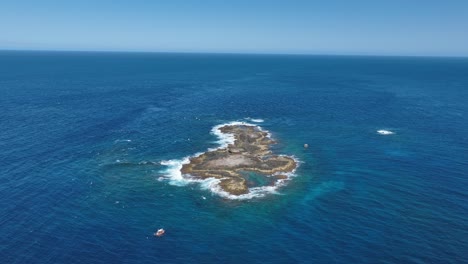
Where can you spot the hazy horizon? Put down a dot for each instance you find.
(419, 28)
(233, 53)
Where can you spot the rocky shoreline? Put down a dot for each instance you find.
(250, 152)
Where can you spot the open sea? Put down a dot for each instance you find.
(90, 144)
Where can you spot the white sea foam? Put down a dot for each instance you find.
(123, 140)
(212, 185)
(256, 120)
(174, 175)
(385, 132)
(224, 139)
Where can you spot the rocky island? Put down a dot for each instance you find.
(247, 156)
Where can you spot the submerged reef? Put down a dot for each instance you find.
(248, 154)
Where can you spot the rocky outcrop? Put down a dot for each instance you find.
(250, 152)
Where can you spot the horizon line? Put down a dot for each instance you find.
(236, 53)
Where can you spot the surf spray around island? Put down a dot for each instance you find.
(173, 171)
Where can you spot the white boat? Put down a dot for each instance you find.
(160, 232)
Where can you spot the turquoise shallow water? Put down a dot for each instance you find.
(83, 135)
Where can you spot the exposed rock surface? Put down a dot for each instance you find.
(250, 152)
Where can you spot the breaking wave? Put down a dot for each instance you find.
(385, 132)
(256, 120)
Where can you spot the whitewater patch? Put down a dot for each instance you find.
(173, 173)
(212, 185)
(224, 139)
(385, 132)
(122, 140)
(256, 120)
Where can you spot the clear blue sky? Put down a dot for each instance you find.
(387, 27)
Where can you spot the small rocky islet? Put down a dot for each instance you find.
(250, 152)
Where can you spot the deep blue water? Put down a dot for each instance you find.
(82, 135)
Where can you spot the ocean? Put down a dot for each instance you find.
(90, 144)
